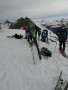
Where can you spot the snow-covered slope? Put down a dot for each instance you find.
(17, 71)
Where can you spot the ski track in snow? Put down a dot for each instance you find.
(17, 71)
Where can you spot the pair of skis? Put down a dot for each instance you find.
(61, 84)
(37, 46)
(39, 54)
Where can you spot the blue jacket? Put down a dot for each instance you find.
(62, 34)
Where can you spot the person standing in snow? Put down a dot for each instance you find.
(62, 35)
(32, 32)
(32, 36)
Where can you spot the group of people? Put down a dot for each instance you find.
(62, 36)
(31, 33)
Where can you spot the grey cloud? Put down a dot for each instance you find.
(31, 8)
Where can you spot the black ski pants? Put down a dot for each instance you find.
(62, 43)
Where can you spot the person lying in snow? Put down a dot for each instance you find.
(16, 36)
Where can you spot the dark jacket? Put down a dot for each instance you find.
(62, 34)
(31, 29)
(45, 33)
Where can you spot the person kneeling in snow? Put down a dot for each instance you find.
(44, 36)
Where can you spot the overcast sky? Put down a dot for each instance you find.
(14, 9)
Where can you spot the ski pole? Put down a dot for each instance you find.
(38, 40)
(33, 55)
(37, 46)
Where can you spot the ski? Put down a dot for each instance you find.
(64, 55)
(58, 82)
(38, 49)
(61, 84)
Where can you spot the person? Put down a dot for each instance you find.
(62, 35)
(26, 22)
(31, 32)
(26, 28)
(44, 36)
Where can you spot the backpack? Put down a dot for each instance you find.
(46, 52)
(18, 36)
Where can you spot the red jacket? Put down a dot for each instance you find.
(25, 27)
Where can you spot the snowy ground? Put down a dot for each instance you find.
(17, 71)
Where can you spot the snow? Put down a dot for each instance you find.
(17, 71)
